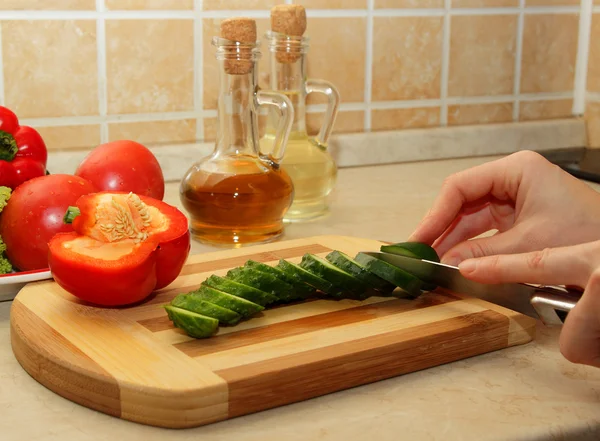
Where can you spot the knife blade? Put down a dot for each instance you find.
(540, 302)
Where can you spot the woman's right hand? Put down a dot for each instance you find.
(531, 202)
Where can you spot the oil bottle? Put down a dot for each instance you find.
(307, 159)
(239, 195)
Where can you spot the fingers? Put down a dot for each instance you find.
(551, 266)
(499, 243)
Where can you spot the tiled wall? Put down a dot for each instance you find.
(89, 71)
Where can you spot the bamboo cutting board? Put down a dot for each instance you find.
(133, 364)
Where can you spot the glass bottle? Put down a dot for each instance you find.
(307, 159)
(238, 195)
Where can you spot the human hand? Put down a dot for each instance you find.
(577, 265)
(531, 202)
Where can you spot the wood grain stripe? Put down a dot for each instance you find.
(51, 358)
(196, 348)
(297, 377)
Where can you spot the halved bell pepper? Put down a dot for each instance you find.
(123, 248)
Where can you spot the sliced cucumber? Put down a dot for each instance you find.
(347, 264)
(199, 306)
(337, 277)
(301, 288)
(263, 281)
(195, 325)
(301, 274)
(240, 290)
(412, 249)
(392, 274)
(242, 306)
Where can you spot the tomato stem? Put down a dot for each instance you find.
(71, 214)
(8, 146)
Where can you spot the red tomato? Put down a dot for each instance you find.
(123, 166)
(34, 214)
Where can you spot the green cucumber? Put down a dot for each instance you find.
(347, 264)
(337, 277)
(199, 306)
(302, 275)
(242, 306)
(392, 274)
(301, 288)
(195, 325)
(417, 250)
(240, 290)
(263, 281)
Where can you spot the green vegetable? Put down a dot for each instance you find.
(195, 325)
(345, 263)
(302, 275)
(194, 304)
(243, 307)
(417, 250)
(263, 281)
(5, 265)
(5, 194)
(392, 274)
(240, 290)
(341, 280)
(302, 289)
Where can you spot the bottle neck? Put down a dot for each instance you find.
(289, 78)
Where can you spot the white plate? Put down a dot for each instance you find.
(11, 284)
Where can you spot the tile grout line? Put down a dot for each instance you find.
(369, 66)
(446, 31)
(583, 49)
(518, 62)
(102, 77)
(2, 97)
(198, 69)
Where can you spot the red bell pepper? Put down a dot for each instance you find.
(23, 153)
(123, 248)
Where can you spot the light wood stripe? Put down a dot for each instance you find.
(321, 322)
(300, 376)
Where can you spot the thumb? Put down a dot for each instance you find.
(551, 266)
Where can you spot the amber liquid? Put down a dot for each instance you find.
(235, 201)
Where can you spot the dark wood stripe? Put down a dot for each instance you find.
(218, 343)
(59, 365)
(167, 295)
(271, 383)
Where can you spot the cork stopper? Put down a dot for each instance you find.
(289, 20)
(241, 30)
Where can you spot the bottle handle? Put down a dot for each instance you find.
(285, 121)
(333, 102)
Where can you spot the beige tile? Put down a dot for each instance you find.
(409, 4)
(551, 2)
(50, 67)
(393, 119)
(345, 122)
(239, 4)
(484, 3)
(210, 127)
(549, 52)
(149, 4)
(594, 57)
(210, 29)
(482, 55)
(154, 132)
(407, 58)
(592, 117)
(70, 137)
(333, 4)
(463, 114)
(337, 54)
(536, 110)
(149, 65)
(48, 4)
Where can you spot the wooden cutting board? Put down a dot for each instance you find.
(133, 364)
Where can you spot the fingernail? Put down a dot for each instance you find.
(468, 266)
(451, 260)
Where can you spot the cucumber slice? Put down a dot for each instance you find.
(195, 325)
(199, 306)
(412, 249)
(302, 275)
(242, 306)
(240, 290)
(263, 281)
(326, 270)
(392, 274)
(301, 288)
(347, 264)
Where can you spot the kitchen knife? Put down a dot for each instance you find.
(550, 304)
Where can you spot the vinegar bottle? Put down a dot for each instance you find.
(307, 160)
(238, 195)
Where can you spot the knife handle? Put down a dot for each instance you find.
(553, 303)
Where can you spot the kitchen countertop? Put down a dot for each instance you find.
(528, 392)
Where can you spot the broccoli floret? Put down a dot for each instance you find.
(2, 245)
(5, 194)
(5, 266)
